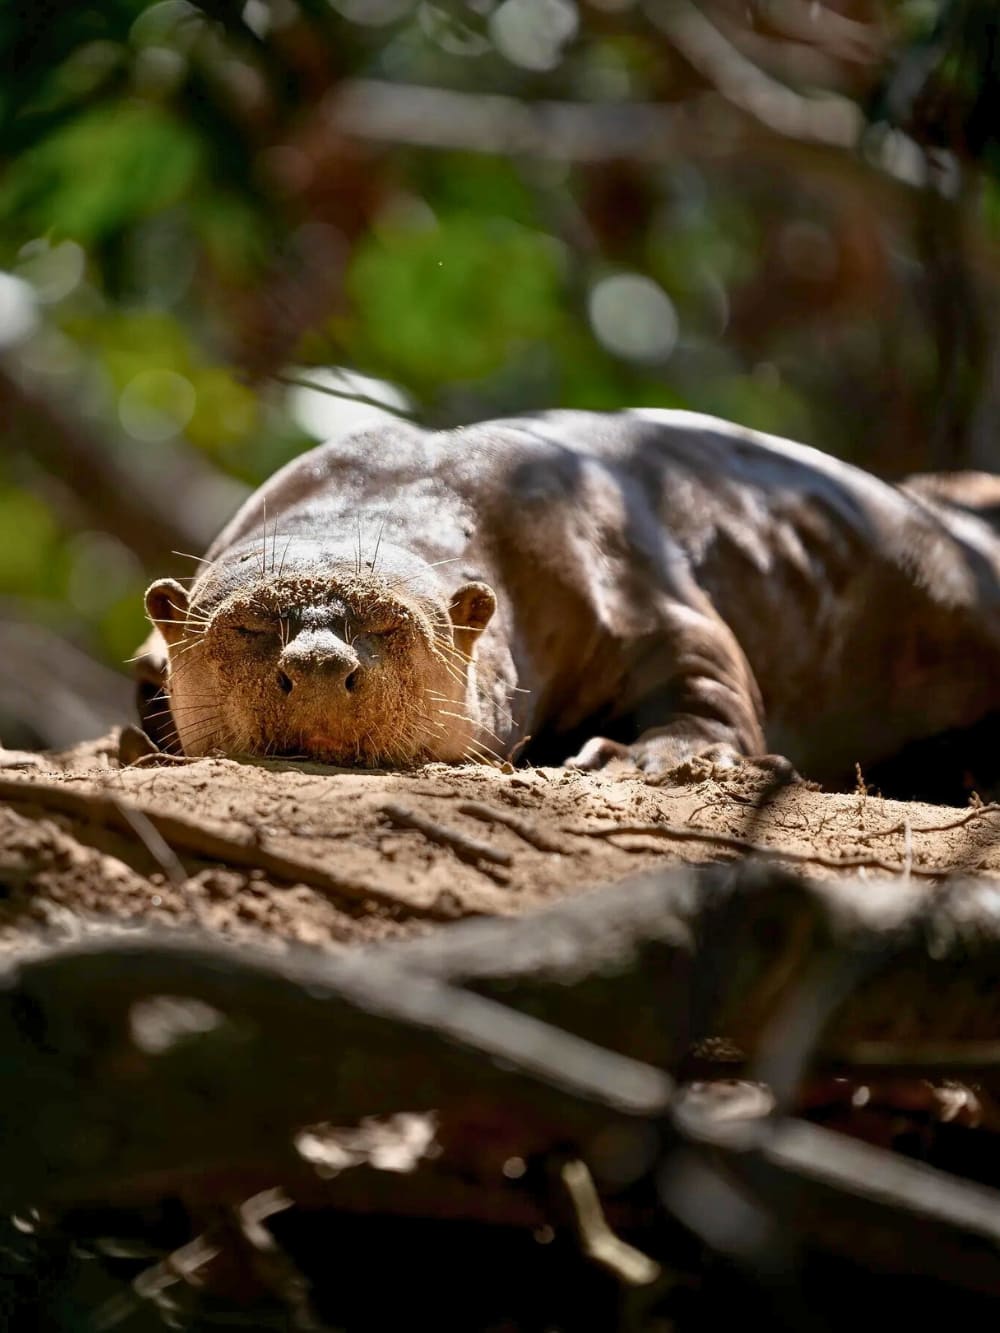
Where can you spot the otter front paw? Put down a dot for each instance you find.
(598, 752)
(721, 761)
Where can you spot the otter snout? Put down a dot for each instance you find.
(318, 656)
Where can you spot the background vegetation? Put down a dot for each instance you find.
(783, 211)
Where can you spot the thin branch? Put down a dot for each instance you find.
(522, 827)
(467, 849)
(826, 118)
(844, 1195)
(977, 812)
(815, 23)
(348, 394)
(445, 118)
(681, 833)
(154, 842)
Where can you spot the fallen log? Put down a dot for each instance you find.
(138, 1066)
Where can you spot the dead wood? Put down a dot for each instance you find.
(749, 1188)
(150, 1065)
(101, 1108)
(879, 976)
(105, 1095)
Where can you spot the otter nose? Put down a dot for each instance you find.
(318, 656)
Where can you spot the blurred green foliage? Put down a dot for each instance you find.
(451, 301)
(180, 223)
(58, 188)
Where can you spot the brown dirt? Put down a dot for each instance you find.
(344, 864)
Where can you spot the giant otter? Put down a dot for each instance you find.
(641, 585)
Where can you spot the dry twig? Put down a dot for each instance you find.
(467, 849)
(684, 834)
(527, 831)
(991, 809)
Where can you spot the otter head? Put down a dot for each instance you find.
(322, 660)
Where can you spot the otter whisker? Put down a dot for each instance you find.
(190, 641)
(489, 759)
(168, 711)
(480, 726)
(274, 546)
(195, 707)
(189, 744)
(281, 567)
(457, 675)
(204, 725)
(400, 585)
(378, 542)
(263, 549)
(202, 560)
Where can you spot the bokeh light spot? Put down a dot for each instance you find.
(156, 405)
(18, 310)
(53, 270)
(532, 33)
(633, 317)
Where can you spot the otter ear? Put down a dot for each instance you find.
(167, 606)
(472, 607)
